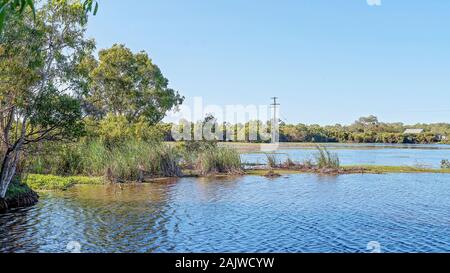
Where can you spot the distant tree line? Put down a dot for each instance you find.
(364, 130)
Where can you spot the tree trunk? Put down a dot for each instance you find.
(8, 171)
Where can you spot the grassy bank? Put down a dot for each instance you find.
(17, 189)
(121, 162)
(351, 170)
(59, 167)
(402, 169)
(51, 182)
(95, 163)
(39, 182)
(18, 195)
(256, 147)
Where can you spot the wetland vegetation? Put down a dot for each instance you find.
(72, 115)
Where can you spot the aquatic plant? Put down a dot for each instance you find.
(219, 160)
(51, 182)
(130, 161)
(445, 164)
(289, 163)
(326, 160)
(271, 161)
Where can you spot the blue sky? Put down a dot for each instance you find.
(329, 61)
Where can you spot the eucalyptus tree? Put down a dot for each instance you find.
(40, 80)
(123, 83)
(17, 7)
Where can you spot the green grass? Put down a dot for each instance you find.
(326, 159)
(40, 182)
(16, 189)
(271, 161)
(367, 169)
(127, 161)
(445, 164)
(219, 160)
(399, 169)
(58, 183)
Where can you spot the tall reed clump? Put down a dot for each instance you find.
(327, 160)
(219, 160)
(134, 160)
(131, 160)
(445, 164)
(271, 161)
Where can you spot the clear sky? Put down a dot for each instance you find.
(329, 61)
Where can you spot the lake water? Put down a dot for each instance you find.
(429, 156)
(296, 213)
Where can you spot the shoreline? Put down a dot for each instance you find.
(346, 170)
(39, 182)
(26, 194)
(259, 147)
(19, 196)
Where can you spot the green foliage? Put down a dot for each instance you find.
(365, 130)
(219, 160)
(445, 164)
(289, 163)
(13, 7)
(326, 160)
(129, 161)
(129, 85)
(17, 189)
(17, 7)
(114, 130)
(271, 161)
(37, 67)
(39, 94)
(51, 182)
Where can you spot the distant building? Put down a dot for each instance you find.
(413, 131)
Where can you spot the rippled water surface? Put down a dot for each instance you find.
(429, 156)
(297, 213)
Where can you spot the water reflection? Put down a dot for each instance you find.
(296, 213)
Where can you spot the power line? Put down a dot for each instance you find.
(274, 105)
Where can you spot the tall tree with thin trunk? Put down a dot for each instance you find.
(40, 80)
